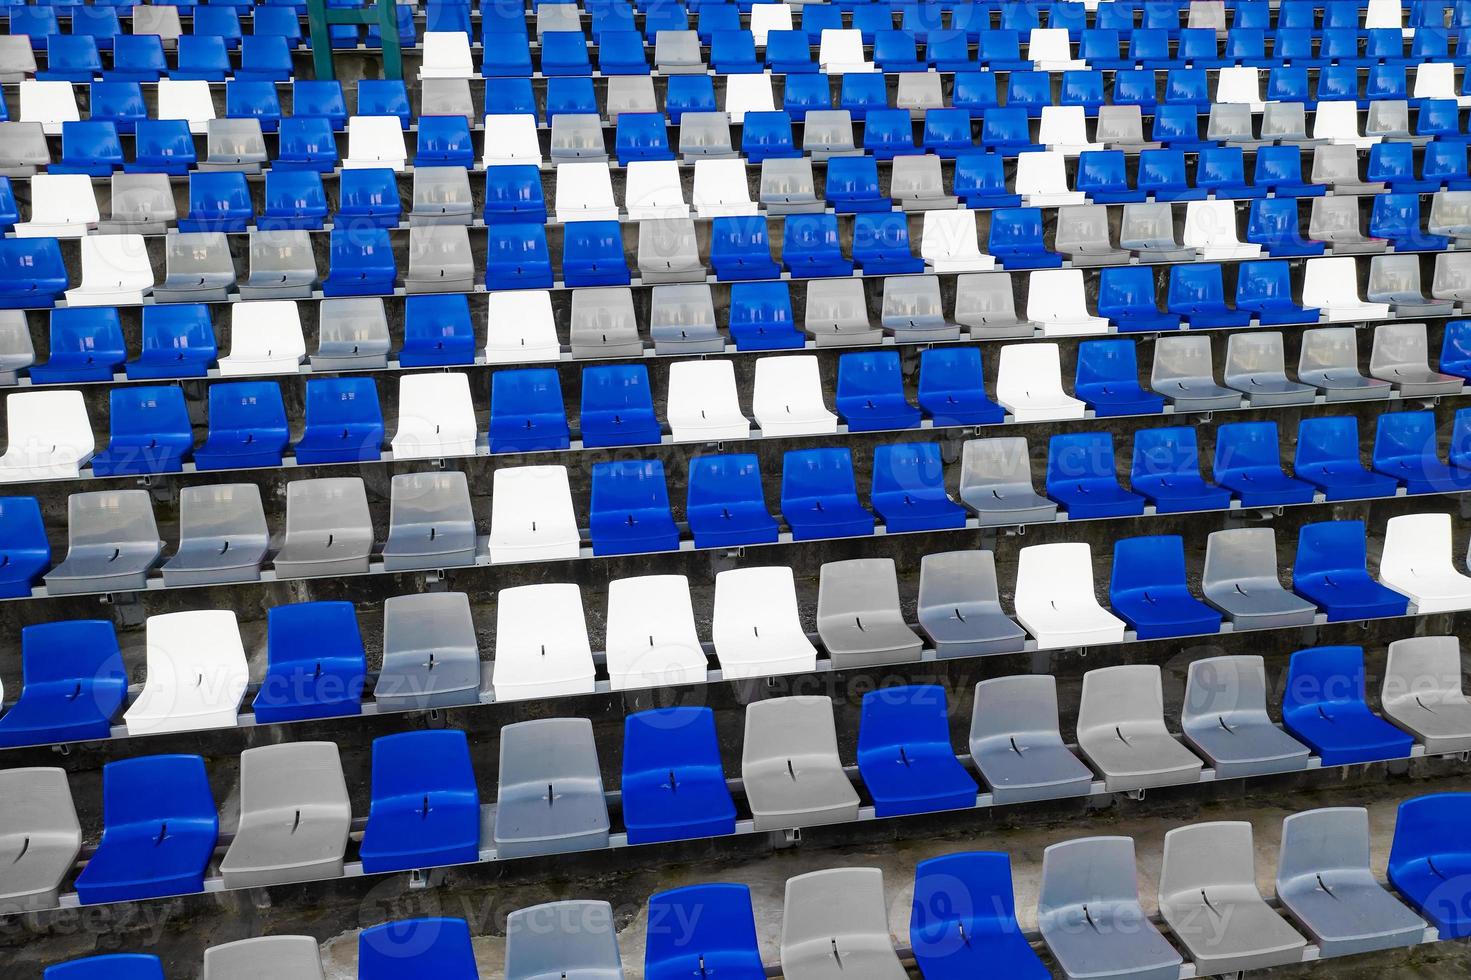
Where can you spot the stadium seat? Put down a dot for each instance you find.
(283, 266)
(651, 638)
(1082, 479)
(440, 946)
(1184, 373)
(837, 915)
(1323, 705)
(1121, 730)
(425, 807)
(112, 542)
(1149, 589)
(328, 529)
(1241, 580)
(1421, 692)
(294, 813)
(544, 760)
(62, 206)
(151, 432)
(787, 397)
(48, 436)
(702, 403)
(674, 787)
(73, 685)
(1107, 379)
(1405, 447)
(908, 725)
(247, 426)
(819, 495)
(92, 148)
(1126, 297)
(858, 617)
(1331, 571)
(790, 767)
(1224, 718)
(1055, 599)
(429, 522)
(541, 643)
(430, 655)
(630, 509)
(533, 517)
(85, 345)
(1417, 562)
(1248, 462)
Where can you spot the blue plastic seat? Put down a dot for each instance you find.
(178, 342)
(963, 920)
(1118, 18)
(761, 317)
(1444, 165)
(1293, 46)
(25, 552)
(202, 58)
(1264, 290)
(1327, 456)
(1126, 296)
(811, 246)
(444, 141)
(1455, 349)
(437, 331)
(218, 201)
(731, 53)
(384, 97)
(629, 513)
(1138, 88)
(617, 406)
(73, 684)
(293, 199)
(86, 344)
(120, 103)
(1440, 119)
(1279, 170)
(1149, 48)
(1396, 217)
(881, 244)
(816, 18)
(1029, 90)
(514, 193)
(1016, 240)
(1247, 47)
(254, 100)
(1249, 462)
(1331, 571)
(888, 133)
(39, 22)
(1101, 175)
(267, 19)
(425, 807)
(592, 254)
(719, 938)
(71, 58)
(1162, 176)
(159, 829)
(448, 16)
(1221, 170)
(315, 664)
(362, 262)
(947, 133)
(861, 93)
(163, 146)
(508, 57)
(659, 17)
(739, 248)
(980, 182)
(216, 21)
(1323, 706)
(608, 16)
(150, 432)
(511, 97)
(322, 98)
(1428, 859)
(1006, 131)
(1198, 48)
(565, 53)
(909, 489)
(788, 52)
(1107, 378)
(1405, 448)
(819, 495)
(1081, 477)
(1177, 126)
(1197, 293)
(688, 93)
(264, 57)
(137, 58)
(949, 51)
(570, 94)
(517, 257)
(1001, 50)
(9, 210)
(622, 53)
(975, 92)
(870, 392)
(1430, 43)
(247, 426)
(673, 782)
(526, 412)
(1339, 49)
(344, 422)
(31, 273)
(712, 17)
(726, 506)
(1166, 470)
(904, 753)
(1274, 224)
(895, 51)
(1100, 48)
(868, 19)
(642, 136)
(1150, 592)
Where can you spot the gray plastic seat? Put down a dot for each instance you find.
(142, 204)
(1336, 221)
(1016, 741)
(1450, 215)
(1336, 166)
(294, 816)
(1401, 356)
(112, 542)
(440, 260)
(1452, 277)
(705, 136)
(682, 320)
(17, 60)
(828, 133)
(678, 53)
(835, 927)
(17, 352)
(1148, 230)
(282, 266)
(669, 251)
(234, 144)
(1121, 127)
(23, 149)
(446, 97)
(1184, 373)
(1422, 693)
(630, 93)
(550, 797)
(916, 182)
(960, 606)
(1122, 733)
(329, 530)
(198, 268)
(1241, 581)
(1209, 14)
(352, 333)
(1089, 913)
(918, 91)
(1390, 119)
(1231, 123)
(837, 314)
(430, 522)
(572, 940)
(1208, 895)
(558, 17)
(604, 323)
(277, 957)
(790, 767)
(1256, 366)
(160, 20)
(1225, 718)
(40, 838)
(1082, 235)
(787, 186)
(858, 615)
(577, 136)
(442, 194)
(1329, 360)
(986, 307)
(1325, 882)
(996, 483)
(1286, 123)
(222, 536)
(430, 656)
(913, 312)
(1395, 279)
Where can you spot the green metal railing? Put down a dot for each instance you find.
(384, 13)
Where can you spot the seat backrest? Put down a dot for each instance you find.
(1126, 695)
(1224, 690)
(438, 947)
(1202, 857)
(858, 588)
(1320, 845)
(111, 519)
(1021, 707)
(823, 906)
(752, 601)
(998, 461)
(277, 781)
(781, 729)
(558, 751)
(1247, 554)
(1098, 872)
(296, 957)
(1421, 669)
(559, 939)
(721, 924)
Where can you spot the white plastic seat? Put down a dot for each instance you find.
(47, 436)
(186, 99)
(1049, 49)
(1055, 600)
(447, 55)
(841, 51)
(585, 192)
(1418, 561)
(51, 104)
(1422, 693)
(1240, 85)
(1338, 122)
(721, 189)
(1437, 80)
(767, 17)
(531, 515)
(265, 338)
(62, 206)
(1386, 13)
(1332, 285)
(1121, 730)
(511, 140)
(541, 647)
(787, 400)
(949, 242)
(1210, 226)
(702, 402)
(115, 272)
(748, 93)
(1041, 178)
(1056, 300)
(435, 417)
(196, 673)
(520, 326)
(650, 633)
(756, 628)
(1064, 130)
(1029, 384)
(375, 142)
(653, 189)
